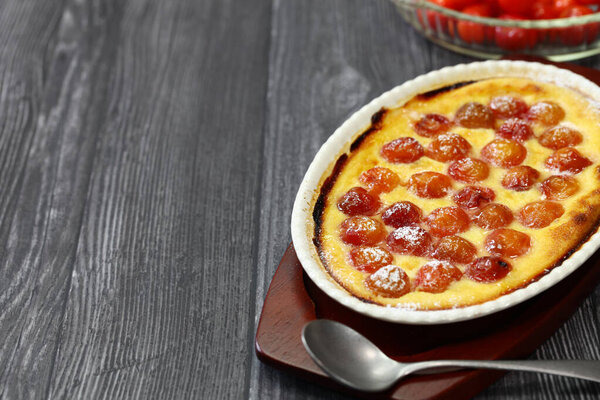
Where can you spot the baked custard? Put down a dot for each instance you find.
(462, 195)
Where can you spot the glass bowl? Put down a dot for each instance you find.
(561, 39)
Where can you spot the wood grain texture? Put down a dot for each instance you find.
(128, 152)
(158, 306)
(327, 59)
(150, 152)
(46, 82)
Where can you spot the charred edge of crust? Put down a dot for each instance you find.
(375, 126)
(319, 207)
(321, 200)
(432, 93)
(594, 228)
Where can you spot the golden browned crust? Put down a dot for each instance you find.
(578, 224)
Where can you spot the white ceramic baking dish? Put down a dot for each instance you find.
(302, 225)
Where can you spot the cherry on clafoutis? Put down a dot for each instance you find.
(560, 136)
(431, 125)
(504, 153)
(507, 242)
(361, 230)
(388, 281)
(455, 249)
(474, 115)
(448, 147)
(446, 221)
(520, 178)
(436, 276)
(430, 185)
(493, 216)
(403, 150)
(471, 197)
(488, 269)
(539, 214)
(370, 258)
(559, 187)
(469, 170)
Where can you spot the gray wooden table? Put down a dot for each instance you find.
(149, 155)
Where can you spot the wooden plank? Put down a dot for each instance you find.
(159, 301)
(328, 59)
(133, 199)
(326, 62)
(48, 71)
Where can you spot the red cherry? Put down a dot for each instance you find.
(432, 125)
(513, 38)
(388, 281)
(357, 201)
(473, 196)
(564, 5)
(434, 20)
(472, 32)
(436, 276)
(543, 9)
(520, 178)
(487, 269)
(446, 221)
(507, 243)
(540, 214)
(518, 7)
(430, 185)
(360, 230)
(411, 240)
(403, 150)
(455, 249)
(402, 213)
(370, 259)
(577, 35)
(459, 4)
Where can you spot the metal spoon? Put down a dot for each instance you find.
(354, 361)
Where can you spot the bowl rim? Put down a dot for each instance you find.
(526, 23)
(302, 225)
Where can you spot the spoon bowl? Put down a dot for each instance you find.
(348, 356)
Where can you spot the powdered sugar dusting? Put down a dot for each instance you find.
(373, 253)
(390, 278)
(432, 270)
(439, 264)
(410, 233)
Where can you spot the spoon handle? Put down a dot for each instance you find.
(582, 369)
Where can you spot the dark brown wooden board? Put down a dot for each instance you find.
(293, 300)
